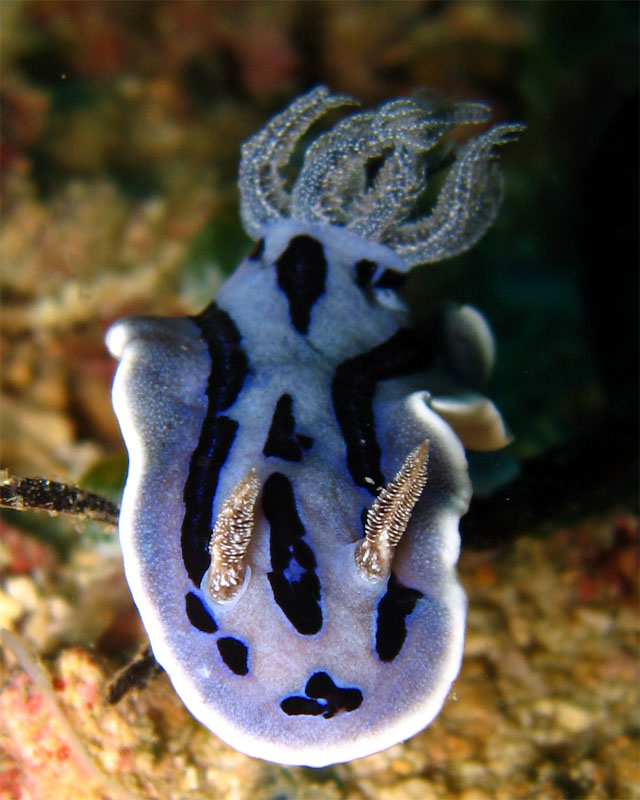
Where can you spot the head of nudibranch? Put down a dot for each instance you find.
(297, 472)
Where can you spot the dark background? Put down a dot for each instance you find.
(122, 126)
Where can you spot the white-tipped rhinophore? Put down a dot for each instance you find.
(388, 517)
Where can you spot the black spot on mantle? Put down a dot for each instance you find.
(199, 616)
(229, 367)
(294, 582)
(282, 441)
(323, 698)
(365, 270)
(397, 604)
(390, 278)
(302, 273)
(234, 653)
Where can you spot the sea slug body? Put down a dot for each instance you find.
(297, 471)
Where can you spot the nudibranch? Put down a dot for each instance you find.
(297, 470)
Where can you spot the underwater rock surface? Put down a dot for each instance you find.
(545, 705)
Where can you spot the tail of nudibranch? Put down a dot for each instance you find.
(335, 185)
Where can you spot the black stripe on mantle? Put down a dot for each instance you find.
(293, 577)
(282, 440)
(229, 368)
(302, 273)
(352, 389)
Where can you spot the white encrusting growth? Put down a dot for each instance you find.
(388, 517)
(368, 172)
(230, 538)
